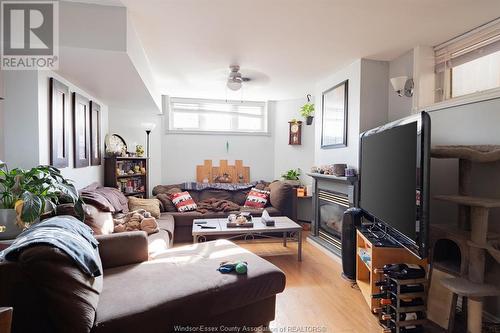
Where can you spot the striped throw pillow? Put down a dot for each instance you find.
(183, 202)
(257, 198)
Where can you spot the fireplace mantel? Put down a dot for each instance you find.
(349, 180)
(328, 188)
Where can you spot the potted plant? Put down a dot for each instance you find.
(292, 177)
(307, 110)
(26, 195)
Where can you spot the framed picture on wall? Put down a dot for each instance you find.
(81, 131)
(59, 123)
(95, 133)
(334, 117)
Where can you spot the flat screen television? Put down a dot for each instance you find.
(394, 180)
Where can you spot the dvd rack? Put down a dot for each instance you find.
(397, 309)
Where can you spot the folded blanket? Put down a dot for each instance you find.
(114, 196)
(65, 233)
(216, 205)
(192, 186)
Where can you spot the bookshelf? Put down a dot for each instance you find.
(128, 174)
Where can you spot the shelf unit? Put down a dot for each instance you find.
(113, 179)
(379, 256)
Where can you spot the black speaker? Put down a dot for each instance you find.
(350, 220)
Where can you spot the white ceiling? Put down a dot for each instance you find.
(290, 44)
(108, 75)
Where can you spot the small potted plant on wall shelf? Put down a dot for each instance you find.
(292, 177)
(307, 110)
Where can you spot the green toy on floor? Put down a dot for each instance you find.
(240, 267)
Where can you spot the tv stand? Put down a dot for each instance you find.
(378, 236)
(379, 251)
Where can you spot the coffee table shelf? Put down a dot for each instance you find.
(218, 227)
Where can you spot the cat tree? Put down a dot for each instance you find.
(473, 215)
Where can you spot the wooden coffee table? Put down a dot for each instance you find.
(283, 225)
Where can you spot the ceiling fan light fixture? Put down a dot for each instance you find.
(234, 84)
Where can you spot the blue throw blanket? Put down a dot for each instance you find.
(193, 186)
(67, 234)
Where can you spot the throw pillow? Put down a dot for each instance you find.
(257, 198)
(183, 201)
(149, 205)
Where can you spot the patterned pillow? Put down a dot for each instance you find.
(257, 198)
(183, 201)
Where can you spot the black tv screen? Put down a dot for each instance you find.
(394, 178)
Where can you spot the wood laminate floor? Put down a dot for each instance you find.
(316, 297)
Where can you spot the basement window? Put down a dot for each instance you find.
(468, 64)
(206, 116)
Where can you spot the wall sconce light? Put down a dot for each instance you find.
(403, 86)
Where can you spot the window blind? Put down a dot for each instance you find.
(475, 44)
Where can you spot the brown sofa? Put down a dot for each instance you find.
(103, 202)
(178, 287)
(281, 203)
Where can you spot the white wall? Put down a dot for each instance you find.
(348, 154)
(21, 119)
(2, 129)
(399, 107)
(367, 107)
(81, 176)
(373, 97)
(288, 156)
(26, 116)
(182, 153)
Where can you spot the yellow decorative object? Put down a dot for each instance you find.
(19, 210)
(139, 150)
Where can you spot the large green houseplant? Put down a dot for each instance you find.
(26, 195)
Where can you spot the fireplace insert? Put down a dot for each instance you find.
(331, 208)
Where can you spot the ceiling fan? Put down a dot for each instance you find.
(235, 79)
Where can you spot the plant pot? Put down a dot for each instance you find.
(8, 219)
(309, 120)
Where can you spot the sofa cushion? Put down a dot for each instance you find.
(149, 205)
(183, 201)
(257, 198)
(113, 195)
(167, 204)
(166, 222)
(100, 222)
(216, 194)
(239, 197)
(188, 289)
(281, 196)
(97, 200)
(258, 211)
(68, 297)
(166, 188)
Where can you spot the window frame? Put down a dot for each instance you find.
(265, 117)
(462, 45)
